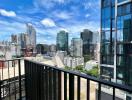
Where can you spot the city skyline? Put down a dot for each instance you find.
(72, 16)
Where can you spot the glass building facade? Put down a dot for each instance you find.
(62, 41)
(87, 38)
(116, 41)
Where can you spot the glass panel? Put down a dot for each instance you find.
(120, 73)
(118, 22)
(106, 37)
(113, 24)
(120, 49)
(106, 49)
(127, 21)
(105, 3)
(121, 61)
(124, 35)
(125, 9)
(119, 36)
(108, 59)
(107, 24)
(107, 12)
(119, 12)
(106, 71)
(113, 36)
(113, 12)
(121, 1)
(113, 2)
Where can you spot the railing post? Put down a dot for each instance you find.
(19, 71)
(113, 93)
(78, 88)
(54, 84)
(65, 86)
(88, 89)
(99, 91)
(59, 85)
(71, 86)
(0, 88)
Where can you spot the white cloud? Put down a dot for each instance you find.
(87, 5)
(60, 1)
(63, 15)
(93, 5)
(77, 27)
(87, 15)
(14, 27)
(8, 28)
(47, 22)
(64, 29)
(47, 3)
(4, 12)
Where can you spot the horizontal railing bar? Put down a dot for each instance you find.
(6, 60)
(13, 78)
(11, 82)
(91, 78)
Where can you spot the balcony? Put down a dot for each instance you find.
(22, 79)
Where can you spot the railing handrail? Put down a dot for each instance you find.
(3, 60)
(88, 77)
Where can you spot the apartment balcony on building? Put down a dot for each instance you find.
(23, 79)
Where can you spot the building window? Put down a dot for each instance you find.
(113, 2)
(107, 72)
(105, 3)
(107, 59)
(121, 61)
(123, 10)
(106, 37)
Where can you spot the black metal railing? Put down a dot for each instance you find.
(37, 81)
(52, 83)
(12, 81)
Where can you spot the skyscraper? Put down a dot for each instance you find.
(14, 38)
(62, 41)
(31, 32)
(22, 40)
(86, 37)
(21, 45)
(116, 41)
(76, 47)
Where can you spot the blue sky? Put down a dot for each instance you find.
(48, 17)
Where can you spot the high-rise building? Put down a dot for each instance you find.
(22, 40)
(31, 32)
(86, 37)
(62, 41)
(90, 44)
(96, 46)
(76, 47)
(14, 38)
(116, 41)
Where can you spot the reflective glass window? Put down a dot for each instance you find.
(105, 3)
(106, 37)
(113, 12)
(107, 71)
(121, 61)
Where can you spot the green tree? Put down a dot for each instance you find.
(68, 68)
(79, 68)
(93, 72)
